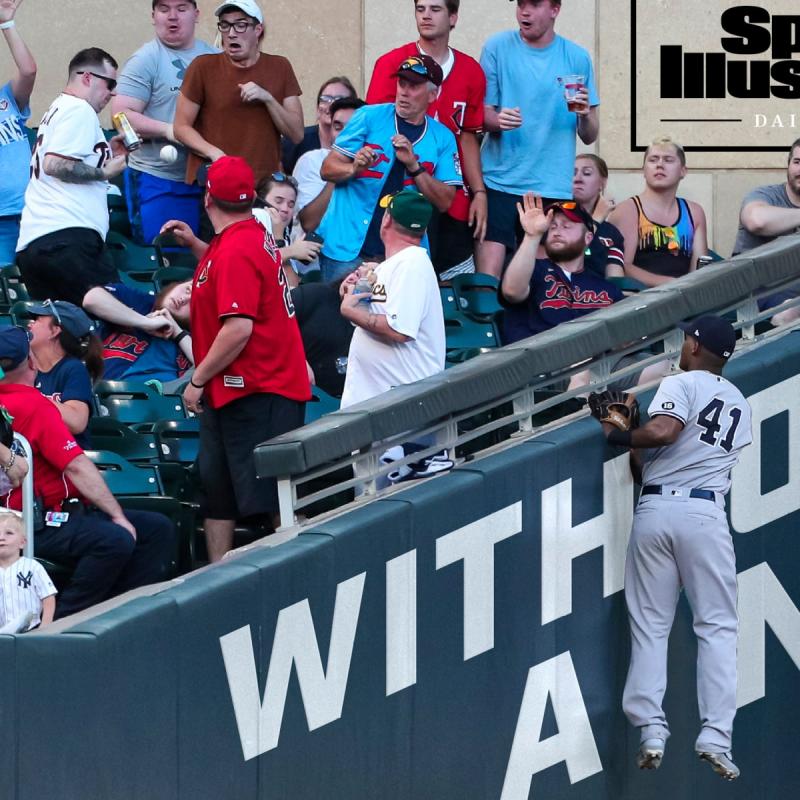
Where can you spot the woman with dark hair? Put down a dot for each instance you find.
(69, 358)
(319, 135)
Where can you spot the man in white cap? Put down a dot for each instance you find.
(240, 101)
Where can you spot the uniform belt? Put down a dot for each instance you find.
(697, 494)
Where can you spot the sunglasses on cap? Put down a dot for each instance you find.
(414, 64)
(110, 82)
(53, 311)
(281, 177)
(387, 200)
(567, 205)
(332, 98)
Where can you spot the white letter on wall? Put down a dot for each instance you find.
(401, 622)
(295, 643)
(574, 743)
(763, 601)
(562, 543)
(474, 545)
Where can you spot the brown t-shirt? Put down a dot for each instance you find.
(239, 129)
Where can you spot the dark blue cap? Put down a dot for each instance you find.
(714, 334)
(14, 345)
(66, 315)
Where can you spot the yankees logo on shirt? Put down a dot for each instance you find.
(23, 586)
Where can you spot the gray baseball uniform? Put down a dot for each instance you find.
(683, 540)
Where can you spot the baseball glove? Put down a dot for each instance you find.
(617, 408)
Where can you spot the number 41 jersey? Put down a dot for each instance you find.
(716, 426)
(69, 129)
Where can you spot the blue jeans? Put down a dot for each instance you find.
(9, 233)
(333, 270)
(153, 201)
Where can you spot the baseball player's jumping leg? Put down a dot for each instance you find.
(652, 586)
(704, 551)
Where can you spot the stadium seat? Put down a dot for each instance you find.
(449, 304)
(129, 256)
(177, 440)
(118, 220)
(124, 478)
(164, 276)
(321, 403)
(476, 295)
(627, 284)
(170, 254)
(108, 433)
(131, 402)
(463, 333)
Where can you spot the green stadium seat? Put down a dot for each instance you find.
(164, 276)
(118, 220)
(131, 402)
(124, 478)
(476, 295)
(108, 433)
(321, 403)
(449, 303)
(170, 254)
(178, 440)
(464, 333)
(129, 256)
(627, 284)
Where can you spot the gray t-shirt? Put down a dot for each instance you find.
(717, 425)
(154, 74)
(773, 195)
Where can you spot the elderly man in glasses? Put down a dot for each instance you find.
(386, 148)
(148, 93)
(240, 101)
(61, 250)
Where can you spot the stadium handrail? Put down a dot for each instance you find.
(435, 406)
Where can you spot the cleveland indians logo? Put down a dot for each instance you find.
(203, 276)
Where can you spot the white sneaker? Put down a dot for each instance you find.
(651, 751)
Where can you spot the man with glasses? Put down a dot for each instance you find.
(319, 135)
(148, 93)
(384, 149)
(61, 250)
(239, 102)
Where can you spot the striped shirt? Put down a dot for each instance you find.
(23, 586)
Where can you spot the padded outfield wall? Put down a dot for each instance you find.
(463, 639)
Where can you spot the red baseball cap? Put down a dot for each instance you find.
(231, 180)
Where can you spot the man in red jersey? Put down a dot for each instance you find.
(459, 106)
(250, 382)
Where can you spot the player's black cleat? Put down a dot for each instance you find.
(651, 751)
(722, 764)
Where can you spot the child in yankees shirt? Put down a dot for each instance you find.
(27, 595)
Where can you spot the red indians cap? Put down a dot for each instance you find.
(231, 180)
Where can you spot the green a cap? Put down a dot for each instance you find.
(409, 209)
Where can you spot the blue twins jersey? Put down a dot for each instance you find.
(134, 355)
(554, 298)
(345, 224)
(15, 153)
(68, 380)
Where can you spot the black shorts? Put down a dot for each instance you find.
(228, 436)
(502, 223)
(65, 264)
(451, 242)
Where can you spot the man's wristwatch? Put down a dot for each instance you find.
(418, 171)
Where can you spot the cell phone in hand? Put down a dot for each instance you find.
(314, 237)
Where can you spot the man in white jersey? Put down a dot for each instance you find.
(399, 336)
(61, 250)
(699, 423)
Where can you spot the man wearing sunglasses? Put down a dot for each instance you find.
(148, 93)
(385, 149)
(541, 293)
(239, 102)
(61, 250)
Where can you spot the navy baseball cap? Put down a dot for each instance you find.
(714, 333)
(67, 316)
(14, 345)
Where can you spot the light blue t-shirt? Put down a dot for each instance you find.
(15, 153)
(539, 155)
(345, 224)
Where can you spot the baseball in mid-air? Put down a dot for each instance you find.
(169, 153)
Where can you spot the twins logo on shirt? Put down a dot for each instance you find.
(559, 295)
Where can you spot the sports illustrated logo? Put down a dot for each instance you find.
(722, 81)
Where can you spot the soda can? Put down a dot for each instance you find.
(130, 138)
